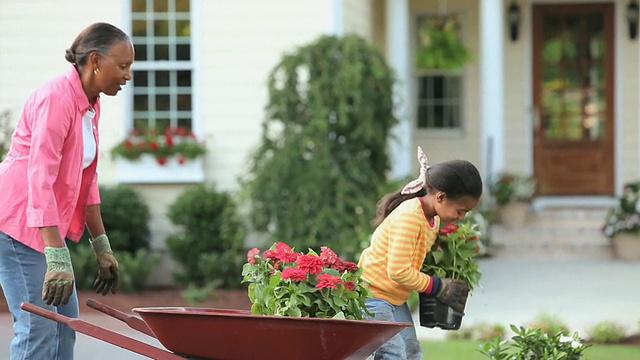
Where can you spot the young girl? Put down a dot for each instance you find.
(407, 226)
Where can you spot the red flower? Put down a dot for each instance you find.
(128, 144)
(153, 145)
(294, 273)
(181, 159)
(252, 255)
(161, 160)
(449, 229)
(168, 140)
(350, 285)
(285, 253)
(349, 266)
(310, 263)
(270, 254)
(181, 131)
(327, 281)
(328, 256)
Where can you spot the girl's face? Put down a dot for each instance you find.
(451, 210)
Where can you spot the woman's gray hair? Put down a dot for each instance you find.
(98, 37)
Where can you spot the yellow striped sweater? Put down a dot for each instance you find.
(391, 264)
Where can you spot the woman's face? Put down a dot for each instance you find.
(451, 210)
(115, 68)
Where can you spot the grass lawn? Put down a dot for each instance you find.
(468, 350)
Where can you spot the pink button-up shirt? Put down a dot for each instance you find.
(42, 181)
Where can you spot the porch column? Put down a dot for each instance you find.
(336, 26)
(491, 86)
(397, 32)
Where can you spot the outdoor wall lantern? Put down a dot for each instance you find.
(513, 17)
(632, 18)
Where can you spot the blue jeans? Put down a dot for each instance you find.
(22, 272)
(405, 344)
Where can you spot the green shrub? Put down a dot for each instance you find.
(135, 268)
(85, 267)
(195, 295)
(481, 331)
(210, 245)
(606, 332)
(126, 219)
(550, 324)
(314, 179)
(534, 344)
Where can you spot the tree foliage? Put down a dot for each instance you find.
(323, 156)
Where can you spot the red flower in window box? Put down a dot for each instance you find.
(178, 142)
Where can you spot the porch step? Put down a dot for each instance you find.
(558, 232)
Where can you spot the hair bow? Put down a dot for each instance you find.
(417, 184)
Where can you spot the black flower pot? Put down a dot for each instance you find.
(434, 313)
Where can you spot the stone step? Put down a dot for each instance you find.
(556, 251)
(563, 232)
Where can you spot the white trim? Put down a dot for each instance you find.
(336, 18)
(146, 170)
(544, 202)
(127, 91)
(197, 120)
(618, 32)
(527, 38)
(492, 87)
(398, 50)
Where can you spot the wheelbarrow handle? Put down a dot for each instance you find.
(134, 322)
(103, 334)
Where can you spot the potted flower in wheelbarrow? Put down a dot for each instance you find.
(289, 283)
(453, 255)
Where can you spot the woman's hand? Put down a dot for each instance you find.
(58, 280)
(108, 272)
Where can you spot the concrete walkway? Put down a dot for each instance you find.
(580, 292)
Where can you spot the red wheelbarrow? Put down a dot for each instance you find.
(227, 334)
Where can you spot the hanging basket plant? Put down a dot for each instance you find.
(440, 45)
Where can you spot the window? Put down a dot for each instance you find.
(440, 57)
(163, 71)
(439, 101)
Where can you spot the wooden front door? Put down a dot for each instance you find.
(573, 98)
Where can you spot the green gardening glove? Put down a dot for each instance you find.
(108, 277)
(453, 293)
(58, 280)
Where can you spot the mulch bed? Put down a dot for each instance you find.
(222, 299)
(631, 340)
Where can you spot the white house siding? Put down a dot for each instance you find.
(239, 45)
(518, 115)
(33, 37)
(464, 144)
(358, 18)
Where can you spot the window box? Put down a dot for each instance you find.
(147, 170)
